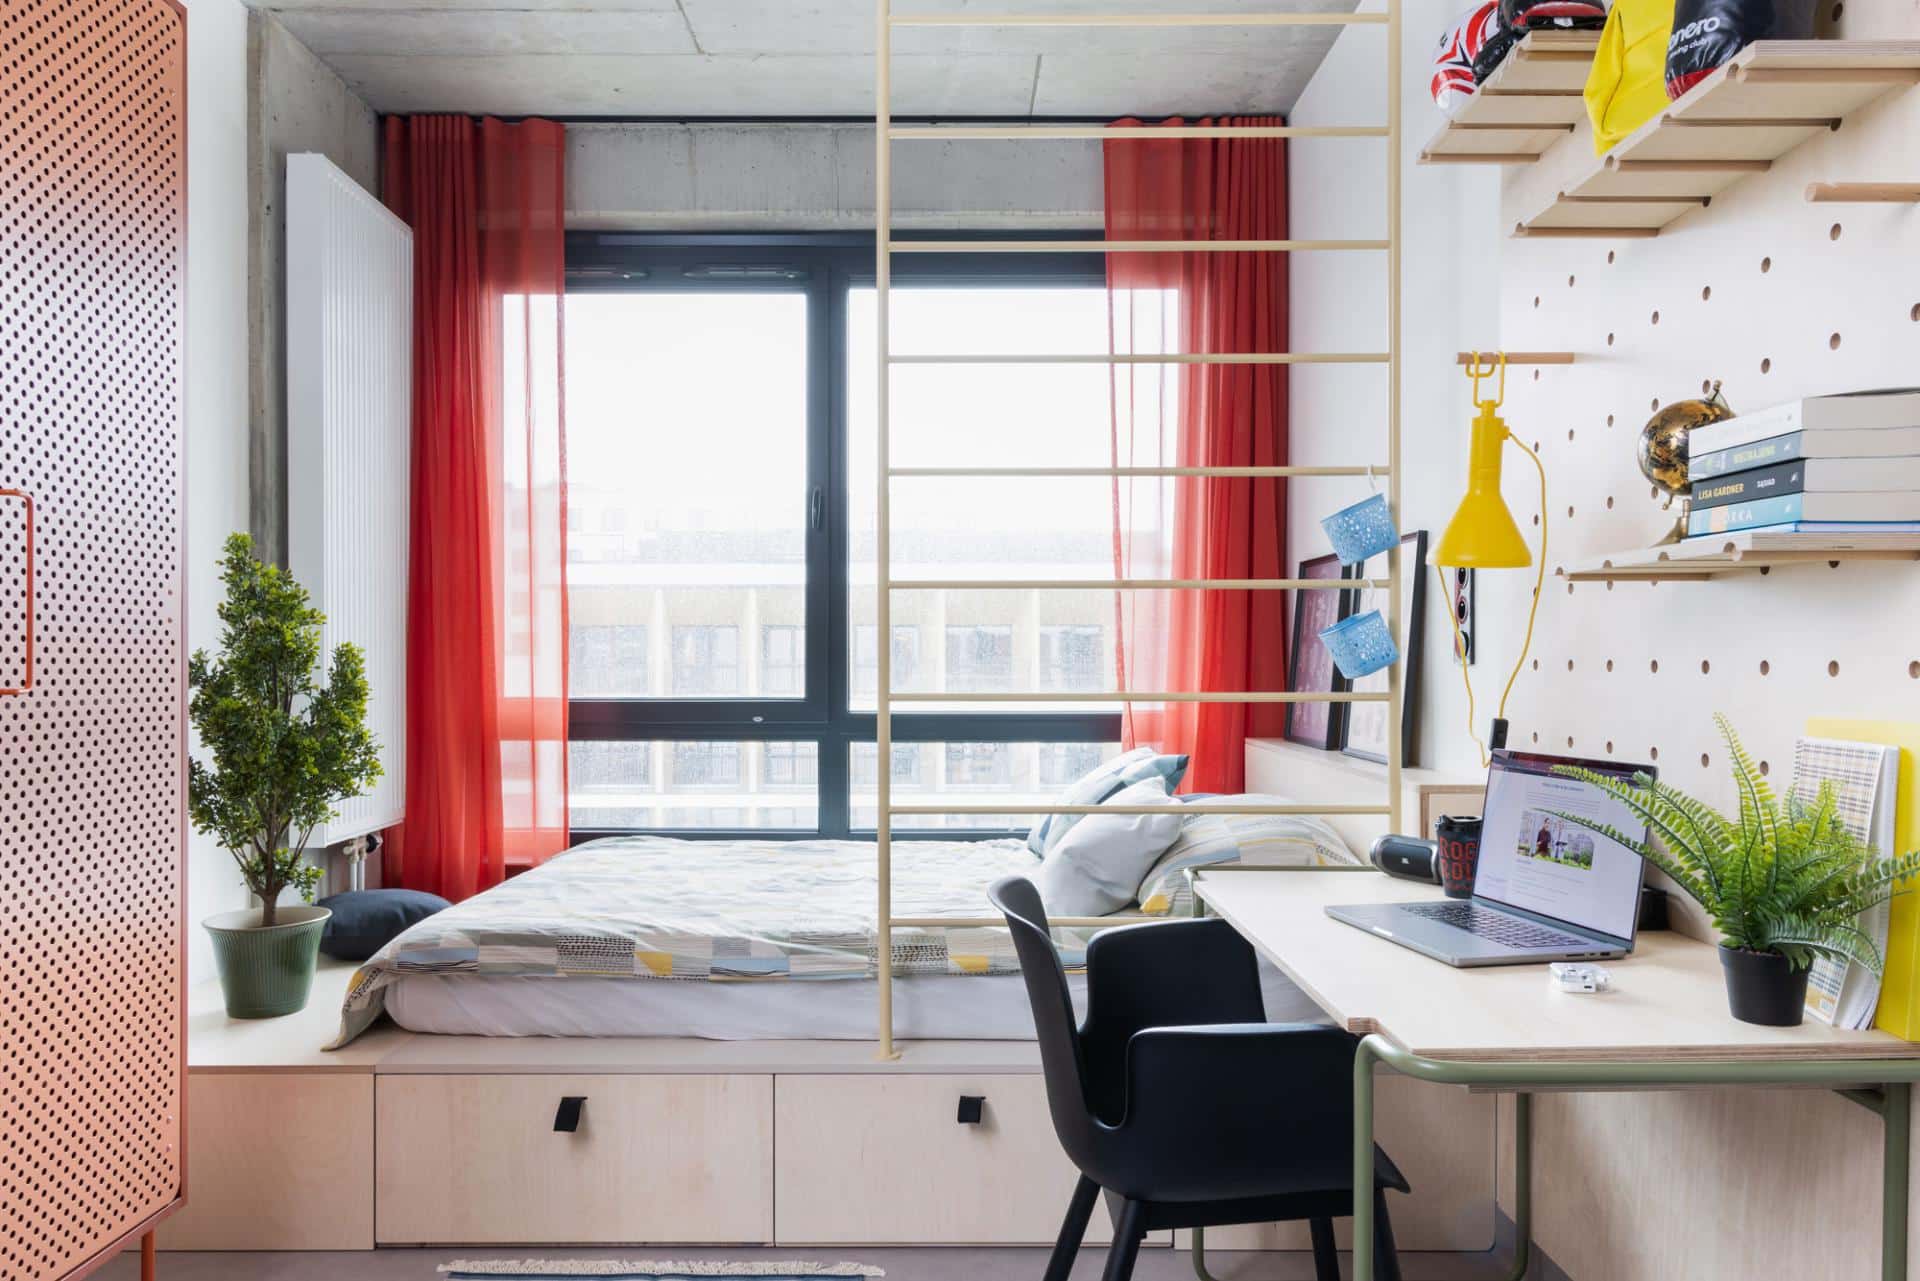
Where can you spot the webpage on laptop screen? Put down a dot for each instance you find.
(1533, 858)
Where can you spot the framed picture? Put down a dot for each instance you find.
(1366, 723)
(1310, 668)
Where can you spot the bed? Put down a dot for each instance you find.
(733, 940)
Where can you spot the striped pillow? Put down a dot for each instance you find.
(1102, 782)
(1271, 840)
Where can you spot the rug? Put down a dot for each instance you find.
(651, 1270)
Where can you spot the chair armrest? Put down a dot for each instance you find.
(1242, 1109)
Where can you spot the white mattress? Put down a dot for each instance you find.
(926, 1007)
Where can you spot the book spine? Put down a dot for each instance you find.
(1744, 429)
(1739, 458)
(1751, 486)
(1766, 511)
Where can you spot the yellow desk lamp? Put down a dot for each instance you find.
(1484, 535)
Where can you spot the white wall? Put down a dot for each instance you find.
(216, 380)
(1450, 293)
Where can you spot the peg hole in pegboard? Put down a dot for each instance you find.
(1653, 753)
(1839, 8)
(1569, 740)
(1610, 664)
(1765, 667)
(1913, 670)
(1609, 340)
(1609, 502)
(1765, 570)
(1916, 308)
(1569, 282)
(1654, 666)
(1833, 232)
(1766, 265)
(1609, 747)
(1536, 664)
(1569, 511)
(1833, 667)
(1706, 386)
(1833, 342)
(1706, 292)
(1656, 316)
(1536, 736)
(1569, 664)
(1706, 665)
(1609, 257)
(1705, 760)
(1765, 768)
(1569, 435)
(1654, 405)
(1914, 314)
(1536, 375)
(1766, 364)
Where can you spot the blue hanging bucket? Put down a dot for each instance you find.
(1360, 645)
(1362, 530)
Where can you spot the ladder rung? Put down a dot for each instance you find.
(1133, 584)
(997, 922)
(1126, 246)
(1151, 696)
(1014, 807)
(1161, 20)
(1005, 473)
(1163, 358)
(1066, 133)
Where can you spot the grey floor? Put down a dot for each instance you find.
(950, 1264)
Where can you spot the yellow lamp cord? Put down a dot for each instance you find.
(1533, 611)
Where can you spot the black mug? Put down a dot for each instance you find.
(1459, 841)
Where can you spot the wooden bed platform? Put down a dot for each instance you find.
(404, 1139)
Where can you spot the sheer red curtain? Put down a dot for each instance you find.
(487, 607)
(1213, 415)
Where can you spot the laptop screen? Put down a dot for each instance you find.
(1534, 859)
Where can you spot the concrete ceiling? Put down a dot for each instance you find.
(796, 58)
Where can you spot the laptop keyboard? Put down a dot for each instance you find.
(1495, 926)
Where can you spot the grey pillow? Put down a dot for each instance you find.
(1094, 868)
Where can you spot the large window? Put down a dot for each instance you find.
(722, 433)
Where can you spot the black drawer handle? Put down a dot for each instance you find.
(972, 1107)
(567, 1119)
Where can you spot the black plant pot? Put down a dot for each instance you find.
(1763, 987)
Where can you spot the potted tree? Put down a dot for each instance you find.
(284, 750)
(1785, 882)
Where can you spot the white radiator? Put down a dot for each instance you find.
(349, 413)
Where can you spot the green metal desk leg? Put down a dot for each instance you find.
(1522, 1185)
(1895, 1140)
(1363, 1060)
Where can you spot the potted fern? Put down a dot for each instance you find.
(1784, 881)
(285, 748)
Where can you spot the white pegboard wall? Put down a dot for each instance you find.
(1776, 298)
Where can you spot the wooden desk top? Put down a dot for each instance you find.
(1668, 1001)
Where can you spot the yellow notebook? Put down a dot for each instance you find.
(1900, 985)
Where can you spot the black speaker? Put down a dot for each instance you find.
(1407, 856)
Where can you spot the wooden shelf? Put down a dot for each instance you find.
(1715, 555)
(1530, 102)
(1773, 96)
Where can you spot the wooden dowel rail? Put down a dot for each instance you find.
(1156, 358)
(1162, 21)
(1137, 696)
(1135, 584)
(1517, 357)
(1023, 473)
(1129, 246)
(1863, 193)
(1110, 133)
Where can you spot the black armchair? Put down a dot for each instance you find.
(1179, 1101)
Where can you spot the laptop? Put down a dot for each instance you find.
(1546, 888)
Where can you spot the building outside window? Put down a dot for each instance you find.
(979, 764)
(783, 660)
(1070, 657)
(706, 764)
(607, 660)
(866, 661)
(706, 659)
(1062, 763)
(791, 765)
(979, 658)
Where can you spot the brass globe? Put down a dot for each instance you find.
(1663, 445)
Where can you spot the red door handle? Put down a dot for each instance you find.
(26, 682)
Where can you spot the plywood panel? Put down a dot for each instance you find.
(476, 1159)
(280, 1162)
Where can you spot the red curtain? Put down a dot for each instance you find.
(1214, 415)
(487, 630)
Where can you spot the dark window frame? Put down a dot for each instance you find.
(825, 267)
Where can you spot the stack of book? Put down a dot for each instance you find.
(1843, 464)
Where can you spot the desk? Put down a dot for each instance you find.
(1665, 1025)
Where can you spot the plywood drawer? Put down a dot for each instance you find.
(476, 1159)
(280, 1161)
(881, 1159)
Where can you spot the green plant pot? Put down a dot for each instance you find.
(1763, 987)
(267, 971)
